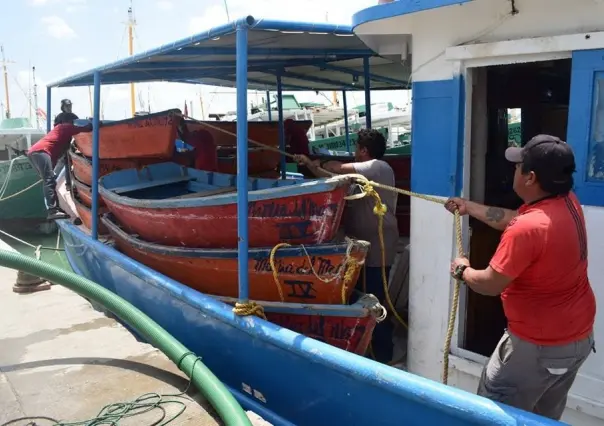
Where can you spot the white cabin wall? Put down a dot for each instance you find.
(432, 234)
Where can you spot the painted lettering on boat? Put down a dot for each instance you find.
(338, 331)
(17, 167)
(301, 289)
(323, 266)
(296, 208)
(162, 120)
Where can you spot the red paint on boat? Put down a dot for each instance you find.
(259, 160)
(219, 276)
(349, 333)
(82, 166)
(299, 219)
(84, 193)
(144, 136)
(85, 214)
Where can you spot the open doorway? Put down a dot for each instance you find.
(510, 104)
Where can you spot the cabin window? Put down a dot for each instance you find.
(595, 160)
(510, 105)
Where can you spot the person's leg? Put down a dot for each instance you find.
(507, 376)
(43, 164)
(382, 335)
(562, 364)
(532, 377)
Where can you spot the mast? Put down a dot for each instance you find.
(29, 94)
(33, 75)
(7, 106)
(131, 25)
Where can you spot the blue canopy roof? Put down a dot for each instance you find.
(307, 56)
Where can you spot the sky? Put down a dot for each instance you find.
(63, 37)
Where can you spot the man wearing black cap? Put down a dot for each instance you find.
(540, 271)
(66, 115)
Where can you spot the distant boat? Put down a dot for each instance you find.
(21, 199)
(178, 206)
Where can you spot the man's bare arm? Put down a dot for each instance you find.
(495, 217)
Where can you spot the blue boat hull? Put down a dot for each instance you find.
(284, 377)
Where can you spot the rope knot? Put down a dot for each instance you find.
(249, 308)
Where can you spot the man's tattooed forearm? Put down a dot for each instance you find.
(495, 214)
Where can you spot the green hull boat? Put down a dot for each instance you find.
(21, 198)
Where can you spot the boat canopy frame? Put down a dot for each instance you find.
(249, 54)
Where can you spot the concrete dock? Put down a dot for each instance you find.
(63, 360)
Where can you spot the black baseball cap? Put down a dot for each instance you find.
(549, 157)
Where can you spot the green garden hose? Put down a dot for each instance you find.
(204, 380)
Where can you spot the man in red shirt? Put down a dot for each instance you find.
(540, 271)
(44, 155)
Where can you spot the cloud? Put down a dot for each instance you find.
(57, 27)
(165, 5)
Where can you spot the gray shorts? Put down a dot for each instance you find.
(532, 377)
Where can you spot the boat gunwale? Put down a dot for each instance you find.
(255, 253)
(105, 124)
(306, 187)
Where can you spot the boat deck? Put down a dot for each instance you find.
(61, 359)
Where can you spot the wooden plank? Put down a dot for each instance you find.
(206, 193)
(150, 184)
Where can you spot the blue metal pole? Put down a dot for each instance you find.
(367, 93)
(242, 154)
(48, 109)
(281, 126)
(96, 115)
(268, 105)
(346, 129)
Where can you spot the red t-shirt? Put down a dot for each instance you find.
(298, 141)
(206, 157)
(544, 251)
(56, 142)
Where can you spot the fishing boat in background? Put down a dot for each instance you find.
(318, 274)
(178, 206)
(260, 160)
(151, 135)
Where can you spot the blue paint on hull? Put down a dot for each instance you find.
(398, 8)
(303, 381)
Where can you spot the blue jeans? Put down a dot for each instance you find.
(382, 335)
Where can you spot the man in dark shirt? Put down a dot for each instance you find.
(65, 116)
(44, 155)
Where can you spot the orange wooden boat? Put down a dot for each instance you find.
(259, 160)
(84, 193)
(152, 135)
(301, 271)
(82, 166)
(85, 214)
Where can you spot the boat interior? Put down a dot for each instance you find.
(540, 90)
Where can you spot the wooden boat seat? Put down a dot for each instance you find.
(150, 184)
(206, 193)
